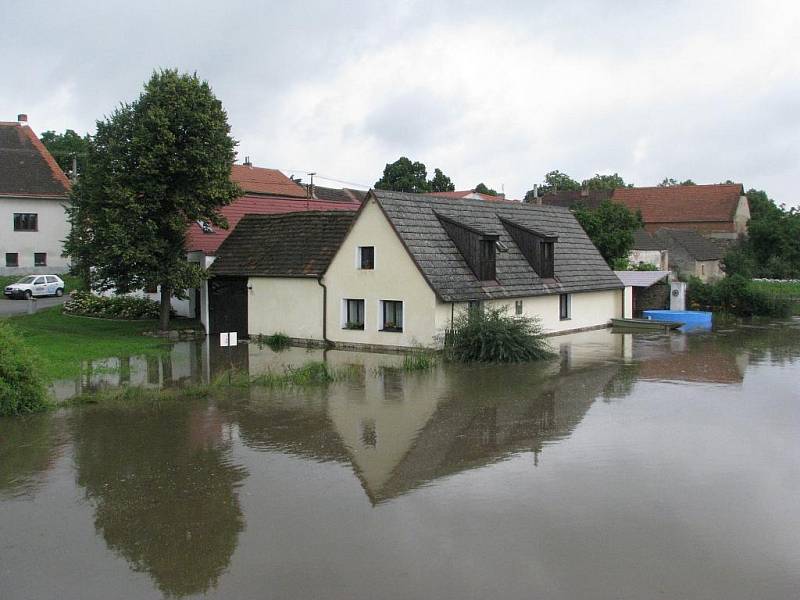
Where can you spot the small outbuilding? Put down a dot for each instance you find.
(692, 254)
(650, 289)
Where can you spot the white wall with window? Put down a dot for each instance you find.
(393, 290)
(32, 232)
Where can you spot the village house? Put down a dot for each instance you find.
(649, 250)
(266, 191)
(717, 211)
(33, 195)
(691, 253)
(398, 272)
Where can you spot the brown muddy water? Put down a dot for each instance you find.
(644, 466)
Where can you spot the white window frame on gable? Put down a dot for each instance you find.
(344, 315)
(382, 315)
(358, 258)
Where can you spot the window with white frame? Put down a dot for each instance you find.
(366, 257)
(353, 313)
(565, 307)
(518, 308)
(391, 315)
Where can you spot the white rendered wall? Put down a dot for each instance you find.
(292, 306)
(395, 277)
(53, 230)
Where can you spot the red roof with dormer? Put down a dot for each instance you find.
(266, 192)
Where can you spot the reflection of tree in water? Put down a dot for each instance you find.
(29, 446)
(163, 487)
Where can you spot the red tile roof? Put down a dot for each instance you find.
(257, 180)
(471, 193)
(26, 167)
(683, 203)
(196, 239)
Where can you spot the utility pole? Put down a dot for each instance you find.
(310, 188)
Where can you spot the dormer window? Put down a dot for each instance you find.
(366, 257)
(478, 247)
(538, 248)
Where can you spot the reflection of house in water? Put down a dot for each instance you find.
(400, 431)
(683, 358)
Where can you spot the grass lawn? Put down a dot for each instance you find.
(783, 289)
(63, 342)
(70, 281)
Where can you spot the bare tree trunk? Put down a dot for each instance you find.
(166, 297)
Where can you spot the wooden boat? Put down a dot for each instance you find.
(645, 324)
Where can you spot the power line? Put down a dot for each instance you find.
(327, 178)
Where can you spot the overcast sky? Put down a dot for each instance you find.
(500, 92)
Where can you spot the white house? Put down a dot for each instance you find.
(407, 264)
(33, 195)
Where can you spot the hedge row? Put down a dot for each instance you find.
(111, 307)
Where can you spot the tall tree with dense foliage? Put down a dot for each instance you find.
(610, 227)
(65, 147)
(481, 188)
(772, 246)
(154, 166)
(440, 182)
(670, 182)
(403, 175)
(606, 183)
(555, 181)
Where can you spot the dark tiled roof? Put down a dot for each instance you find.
(644, 241)
(569, 198)
(26, 167)
(683, 203)
(283, 245)
(578, 265)
(695, 244)
(339, 195)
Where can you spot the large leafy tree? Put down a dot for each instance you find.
(440, 182)
(481, 188)
(772, 246)
(154, 166)
(65, 147)
(403, 175)
(606, 183)
(610, 227)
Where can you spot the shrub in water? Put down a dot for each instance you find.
(738, 296)
(111, 307)
(22, 390)
(276, 341)
(493, 336)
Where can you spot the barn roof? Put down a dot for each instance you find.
(283, 245)
(683, 203)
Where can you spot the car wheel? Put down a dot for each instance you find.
(28, 294)
(59, 293)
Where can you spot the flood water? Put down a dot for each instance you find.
(630, 466)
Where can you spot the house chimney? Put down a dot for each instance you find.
(247, 162)
(22, 119)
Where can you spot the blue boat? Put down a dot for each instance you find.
(691, 319)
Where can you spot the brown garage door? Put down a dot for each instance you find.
(227, 305)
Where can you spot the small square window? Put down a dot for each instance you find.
(12, 259)
(366, 257)
(392, 315)
(40, 259)
(353, 314)
(565, 306)
(518, 308)
(26, 222)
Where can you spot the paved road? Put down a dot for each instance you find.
(20, 307)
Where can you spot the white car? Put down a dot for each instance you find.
(36, 285)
